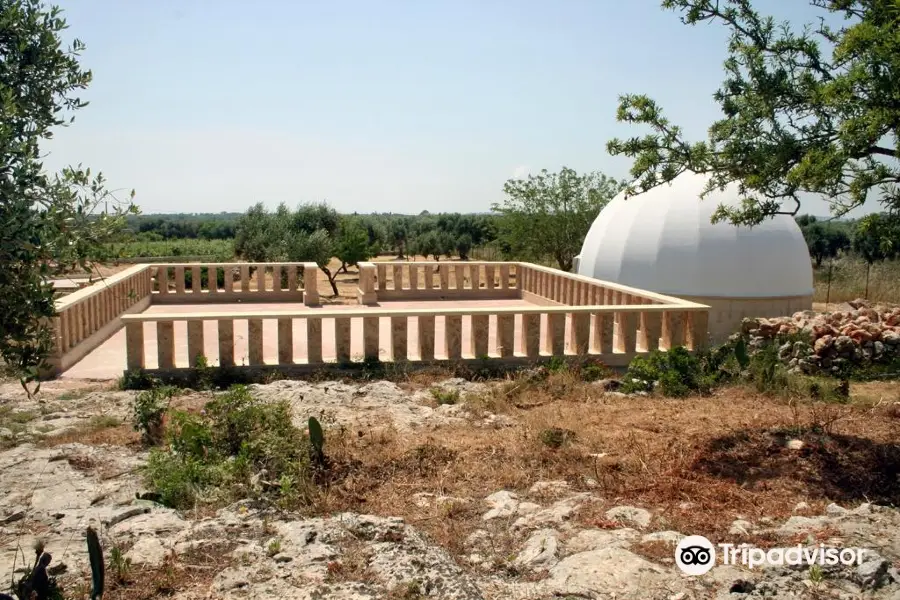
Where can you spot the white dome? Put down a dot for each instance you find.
(663, 241)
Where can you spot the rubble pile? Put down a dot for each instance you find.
(859, 333)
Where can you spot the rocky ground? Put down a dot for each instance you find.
(69, 462)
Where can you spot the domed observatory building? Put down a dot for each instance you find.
(663, 241)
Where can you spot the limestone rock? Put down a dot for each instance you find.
(630, 515)
(540, 550)
(610, 572)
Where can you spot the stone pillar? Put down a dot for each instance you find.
(310, 284)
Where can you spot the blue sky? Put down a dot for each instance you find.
(388, 105)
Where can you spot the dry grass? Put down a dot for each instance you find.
(699, 463)
(97, 432)
(190, 572)
(848, 281)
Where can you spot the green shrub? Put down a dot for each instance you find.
(676, 373)
(149, 408)
(444, 396)
(237, 443)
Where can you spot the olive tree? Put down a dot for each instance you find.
(549, 214)
(49, 223)
(805, 109)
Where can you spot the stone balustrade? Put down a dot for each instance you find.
(190, 283)
(611, 333)
(544, 285)
(569, 315)
(86, 318)
(434, 280)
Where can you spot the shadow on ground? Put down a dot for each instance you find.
(837, 467)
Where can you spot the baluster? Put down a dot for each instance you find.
(195, 342)
(696, 329)
(134, 344)
(626, 337)
(580, 333)
(504, 277)
(531, 334)
(414, 277)
(196, 279)
(489, 277)
(398, 278)
(399, 339)
(255, 341)
(179, 280)
(371, 338)
(480, 334)
(382, 277)
(226, 342)
(245, 278)
(453, 336)
(602, 333)
(651, 329)
(165, 344)
(342, 339)
(426, 337)
(313, 340)
(506, 332)
(556, 324)
(429, 277)
(459, 277)
(286, 340)
(672, 333)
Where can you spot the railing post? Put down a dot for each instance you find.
(603, 333)
(398, 278)
(531, 334)
(399, 339)
(626, 336)
(453, 336)
(310, 284)
(371, 338)
(651, 329)
(429, 277)
(342, 339)
(245, 278)
(504, 276)
(226, 342)
(445, 277)
(197, 279)
(313, 339)
(671, 330)
(134, 344)
(179, 280)
(506, 334)
(382, 277)
(459, 276)
(165, 344)
(366, 290)
(489, 277)
(255, 341)
(557, 329)
(286, 339)
(426, 338)
(195, 341)
(480, 332)
(414, 277)
(292, 277)
(580, 333)
(696, 330)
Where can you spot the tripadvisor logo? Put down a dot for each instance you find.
(696, 555)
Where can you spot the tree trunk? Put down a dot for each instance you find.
(331, 279)
(343, 268)
(828, 289)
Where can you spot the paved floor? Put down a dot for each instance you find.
(108, 360)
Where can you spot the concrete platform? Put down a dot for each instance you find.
(108, 360)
